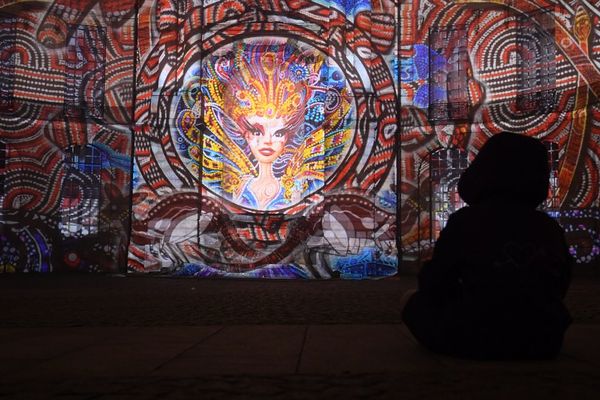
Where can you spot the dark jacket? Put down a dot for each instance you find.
(500, 268)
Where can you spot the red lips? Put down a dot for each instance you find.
(266, 151)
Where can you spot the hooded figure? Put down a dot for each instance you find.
(500, 269)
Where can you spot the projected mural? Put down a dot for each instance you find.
(280, 127)
(280, 138)
(278, 119)
(66, 80)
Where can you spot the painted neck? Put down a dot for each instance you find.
(265, 172)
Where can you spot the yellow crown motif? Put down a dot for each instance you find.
(266, 89)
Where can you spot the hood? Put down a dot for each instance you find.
(509, 167)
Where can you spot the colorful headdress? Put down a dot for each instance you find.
(264, 81)
(271, 80)
(265, 89)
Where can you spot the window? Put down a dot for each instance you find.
(2, 171)
(537, 64)
(8, 34)
(2, 156)
(448, 81)
(553, 201)
(84, 72)
(81, 191)
(445, 168)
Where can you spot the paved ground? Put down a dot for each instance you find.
(95, 337)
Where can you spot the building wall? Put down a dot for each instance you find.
(366, 112)
(531, 67)
(220, 81)
(66, 107)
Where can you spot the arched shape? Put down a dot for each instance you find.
(536, 90)
(85, 61)
(3, 156)
(81, 192)
(8, 35)
(444, 167)
(448, 63)
(553, 201)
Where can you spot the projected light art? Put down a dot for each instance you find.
(279, 138)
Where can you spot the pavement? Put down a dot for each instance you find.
(102, 337)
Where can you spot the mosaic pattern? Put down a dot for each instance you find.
(278, 138)
(280, 127)
(530, 69)
(71, 77)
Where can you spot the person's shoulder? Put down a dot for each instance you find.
(542, 215)
(476, 210)
(477, 213)
(544, 218)
(465, 213)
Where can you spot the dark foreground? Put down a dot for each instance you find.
(97, 337)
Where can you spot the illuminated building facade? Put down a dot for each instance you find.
(279, 138)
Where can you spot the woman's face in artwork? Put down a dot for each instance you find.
(266, 137)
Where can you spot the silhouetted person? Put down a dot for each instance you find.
(500, 269)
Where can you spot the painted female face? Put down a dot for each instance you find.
(266, 137)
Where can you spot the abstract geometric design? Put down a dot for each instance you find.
(50, 115)
(85, 62)
(320, 107)
(531, 71)
(278, 138)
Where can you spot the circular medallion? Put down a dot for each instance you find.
(264, 122)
